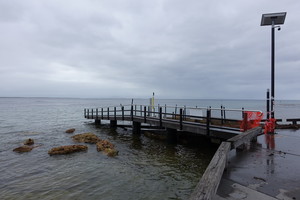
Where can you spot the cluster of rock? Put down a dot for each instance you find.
(102, 145)
(90, 138)
(107, 147)
(26, 147)
(67, 149)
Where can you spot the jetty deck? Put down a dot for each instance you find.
(211, 122)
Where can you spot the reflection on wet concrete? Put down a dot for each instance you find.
(271, 166)
(270, 143)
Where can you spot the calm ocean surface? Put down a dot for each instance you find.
(144, 169)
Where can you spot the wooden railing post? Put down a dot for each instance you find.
(115, 113)
(160, 116)
(84, 113)
(88, 113)
(96, 113)
(222, 119)
(245, 121)
(145, 113)
(123, 113)
(180, 118)
(107, 112)
(224, 113)
(165, 115)
(131, 113)
(208, 119)
(92, 114)
(101, 113)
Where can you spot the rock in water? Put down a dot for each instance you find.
(29, 142)
(67, 149)
(71, 130)
(86, 137)
(107, 147)
(111, 152)
(22, 149)
(104, 144)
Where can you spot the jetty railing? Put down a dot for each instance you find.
(204, 116)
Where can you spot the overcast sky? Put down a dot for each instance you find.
(131, 48)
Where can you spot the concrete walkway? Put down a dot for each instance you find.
(268, 169)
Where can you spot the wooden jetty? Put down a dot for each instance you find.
(210, 122)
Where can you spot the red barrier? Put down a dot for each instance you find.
(270, 126)
(251, 120)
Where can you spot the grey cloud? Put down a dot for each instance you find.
(178, 49)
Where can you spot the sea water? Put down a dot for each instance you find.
(144, 169)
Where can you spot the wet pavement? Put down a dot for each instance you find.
(268, 169)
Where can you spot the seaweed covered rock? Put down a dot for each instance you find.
(86, 137)
(107, 147)
(71, 130)
(29, 142)
(67, 149)
(22, 149)
(104, 144)
(111, 152)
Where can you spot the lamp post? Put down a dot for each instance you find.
(273, 20)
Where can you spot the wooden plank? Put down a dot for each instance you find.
(208, 184)
(245, 137)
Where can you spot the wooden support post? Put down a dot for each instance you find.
(96, 113)
(171, 135)
(165, 115)
(113, 123)
(84, 113)
(102, 113)
(134, 110)
(88, 113)
(97, 121)
(208, 119)
(224, 113)
(92, 114)
(145, 111)
(136, 129)
(115, 113)
(222, 120)
(243, 112)
(245, 122)
(180, 119)
(131, 113)
(108, 113)
(123, 113)
(160, 116)
(141, 110)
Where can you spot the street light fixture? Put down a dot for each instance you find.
(273, 19)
